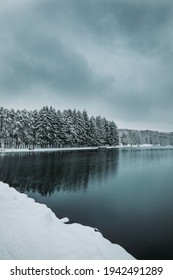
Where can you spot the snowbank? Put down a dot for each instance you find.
(29, 230)
(26, 150)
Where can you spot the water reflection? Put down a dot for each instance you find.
(67, 171)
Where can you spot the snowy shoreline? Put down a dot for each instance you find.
(30, 230)
(3, 151)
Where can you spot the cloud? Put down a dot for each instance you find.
(38, 56)
(113, 58)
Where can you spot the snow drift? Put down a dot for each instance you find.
(29, 230)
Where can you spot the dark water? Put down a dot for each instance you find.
(126, 194)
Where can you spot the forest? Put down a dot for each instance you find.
(145, 137)
(50, 128)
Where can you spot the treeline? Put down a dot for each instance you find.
(52, 128)
(141, 137)
(70, 128)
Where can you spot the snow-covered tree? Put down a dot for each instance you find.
(124, 139)
(50, 128)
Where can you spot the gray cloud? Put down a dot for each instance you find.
(113, 58)
(38, 57)
(139, 23)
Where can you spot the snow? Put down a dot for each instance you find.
(46, 149)
(29, 230)
(143, 146)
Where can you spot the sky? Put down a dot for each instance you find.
(113, 58)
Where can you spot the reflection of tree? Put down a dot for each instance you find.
(67, 171)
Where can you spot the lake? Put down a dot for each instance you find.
(127, 194)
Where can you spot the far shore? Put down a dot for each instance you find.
(100, 148)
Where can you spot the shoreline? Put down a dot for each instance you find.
(100, 148)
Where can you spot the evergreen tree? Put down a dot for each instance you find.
(113, 137)
(101, 131)
(124, 139)
(93, 132)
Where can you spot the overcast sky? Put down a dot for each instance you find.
(113, 58)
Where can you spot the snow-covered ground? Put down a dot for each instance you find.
(29, 230)
(144, 146)
(46, 149)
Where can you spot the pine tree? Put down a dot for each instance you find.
(113, 137)
(124, 140)
(93, 132)
(101, 131)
